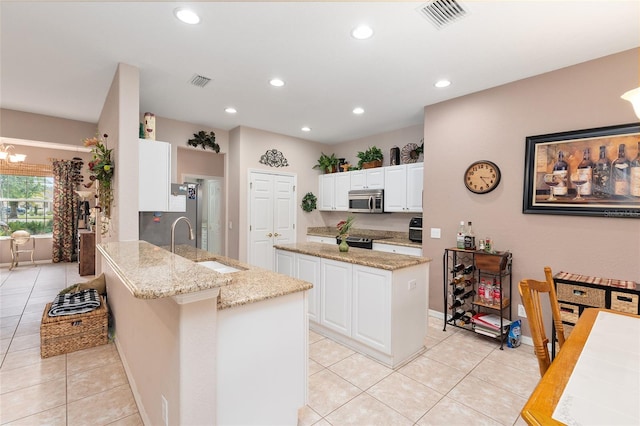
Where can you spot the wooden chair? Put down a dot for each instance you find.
(530, 292)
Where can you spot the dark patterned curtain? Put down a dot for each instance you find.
(65, 201)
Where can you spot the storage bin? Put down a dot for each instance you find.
(69, 333)
(569, 313)
(624, 302)
(581, 295)
(491, 262)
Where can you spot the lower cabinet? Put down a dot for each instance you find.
(377, 312)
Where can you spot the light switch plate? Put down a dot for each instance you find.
(435, 232)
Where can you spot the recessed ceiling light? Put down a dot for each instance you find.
(230, 110)
(358, 110)
(306, 129)
(276, 82)
(362, 32)
(187, 16)
(442, 83)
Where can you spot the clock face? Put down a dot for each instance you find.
(482, 177)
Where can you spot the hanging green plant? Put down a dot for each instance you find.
(309, 202)
(204, 139)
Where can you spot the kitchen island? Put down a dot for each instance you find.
(200, 346)
(374, 302)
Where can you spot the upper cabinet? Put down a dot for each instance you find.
(403, 188)
(367, 178)
(333, 189)
(154, 179)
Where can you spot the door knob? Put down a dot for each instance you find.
(269, 235)
(276, 235)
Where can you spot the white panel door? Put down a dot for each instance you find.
(375, 178)
(154, 176)
(342, 185)
(335, 296)
(271, 216)
(284, 210)
(326, 194)
(261, 226)
(372, 307)
(285, 263)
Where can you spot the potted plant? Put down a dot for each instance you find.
(204, 139)
(326, 163)
(370, 158)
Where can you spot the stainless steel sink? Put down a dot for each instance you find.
(221, 268)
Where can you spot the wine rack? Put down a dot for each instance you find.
(464, 272)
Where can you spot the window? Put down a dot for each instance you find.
(26, 202)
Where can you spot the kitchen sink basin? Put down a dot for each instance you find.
(219, 267)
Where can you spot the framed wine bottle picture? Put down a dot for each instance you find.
(591, 172)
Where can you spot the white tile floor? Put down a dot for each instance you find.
(462, 379)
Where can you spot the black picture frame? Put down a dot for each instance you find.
(541, 153)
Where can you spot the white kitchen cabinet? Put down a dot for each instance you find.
(154, 178)
(368, 178)
(335, 296)
(319, 239)
(308, 269)
(333, 190)
(403, 188)
(285, 263)
(372, 307)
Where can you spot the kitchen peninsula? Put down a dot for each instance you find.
(200, 346)
(374, 302)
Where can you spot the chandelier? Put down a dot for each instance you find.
(7, 153)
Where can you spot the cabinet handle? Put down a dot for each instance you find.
(579, 293)
(624, 299)
(269, 235)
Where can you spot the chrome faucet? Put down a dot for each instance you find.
(173, 232)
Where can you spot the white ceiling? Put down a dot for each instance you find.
(59, 58)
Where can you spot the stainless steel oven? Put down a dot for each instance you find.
(366, 201)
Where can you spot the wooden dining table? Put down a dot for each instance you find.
(542, 403)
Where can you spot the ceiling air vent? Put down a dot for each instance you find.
(442, 12)
(199, 80)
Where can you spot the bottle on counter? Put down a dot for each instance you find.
(560, 172)
(634, 172)
(481, 290)
(620, 173)
(469, 238)
(460, 235)
(602, 175)
(488, 293)
(585, 173)
(497, 293)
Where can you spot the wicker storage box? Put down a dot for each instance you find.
(624, 302)
(581, 295)
(491, 262)
(69, 333)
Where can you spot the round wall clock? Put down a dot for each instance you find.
(482, 177)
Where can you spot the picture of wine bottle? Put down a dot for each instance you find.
(634, 175)
(620, 173)
(602, 175)
(560, 172)
(585, 173)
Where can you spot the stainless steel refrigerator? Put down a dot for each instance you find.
(155, 227)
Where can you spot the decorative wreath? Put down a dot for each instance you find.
(309, 202)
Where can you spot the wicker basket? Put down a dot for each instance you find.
(69, 333)
(624, 302)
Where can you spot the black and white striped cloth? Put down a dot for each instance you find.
(75, 303)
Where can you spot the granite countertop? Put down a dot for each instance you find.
(383, 237)
(152, 272)
(358, 256)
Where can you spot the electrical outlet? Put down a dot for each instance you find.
(165, 411)
(435, 232)
(412, 284)
(521, 312)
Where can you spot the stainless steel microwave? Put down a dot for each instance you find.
(366, 201)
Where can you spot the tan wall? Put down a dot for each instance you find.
(199, 162)
(493, 125)
(37, 127)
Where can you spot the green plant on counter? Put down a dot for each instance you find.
(327, 163)
(372, 154)
(204, 139)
